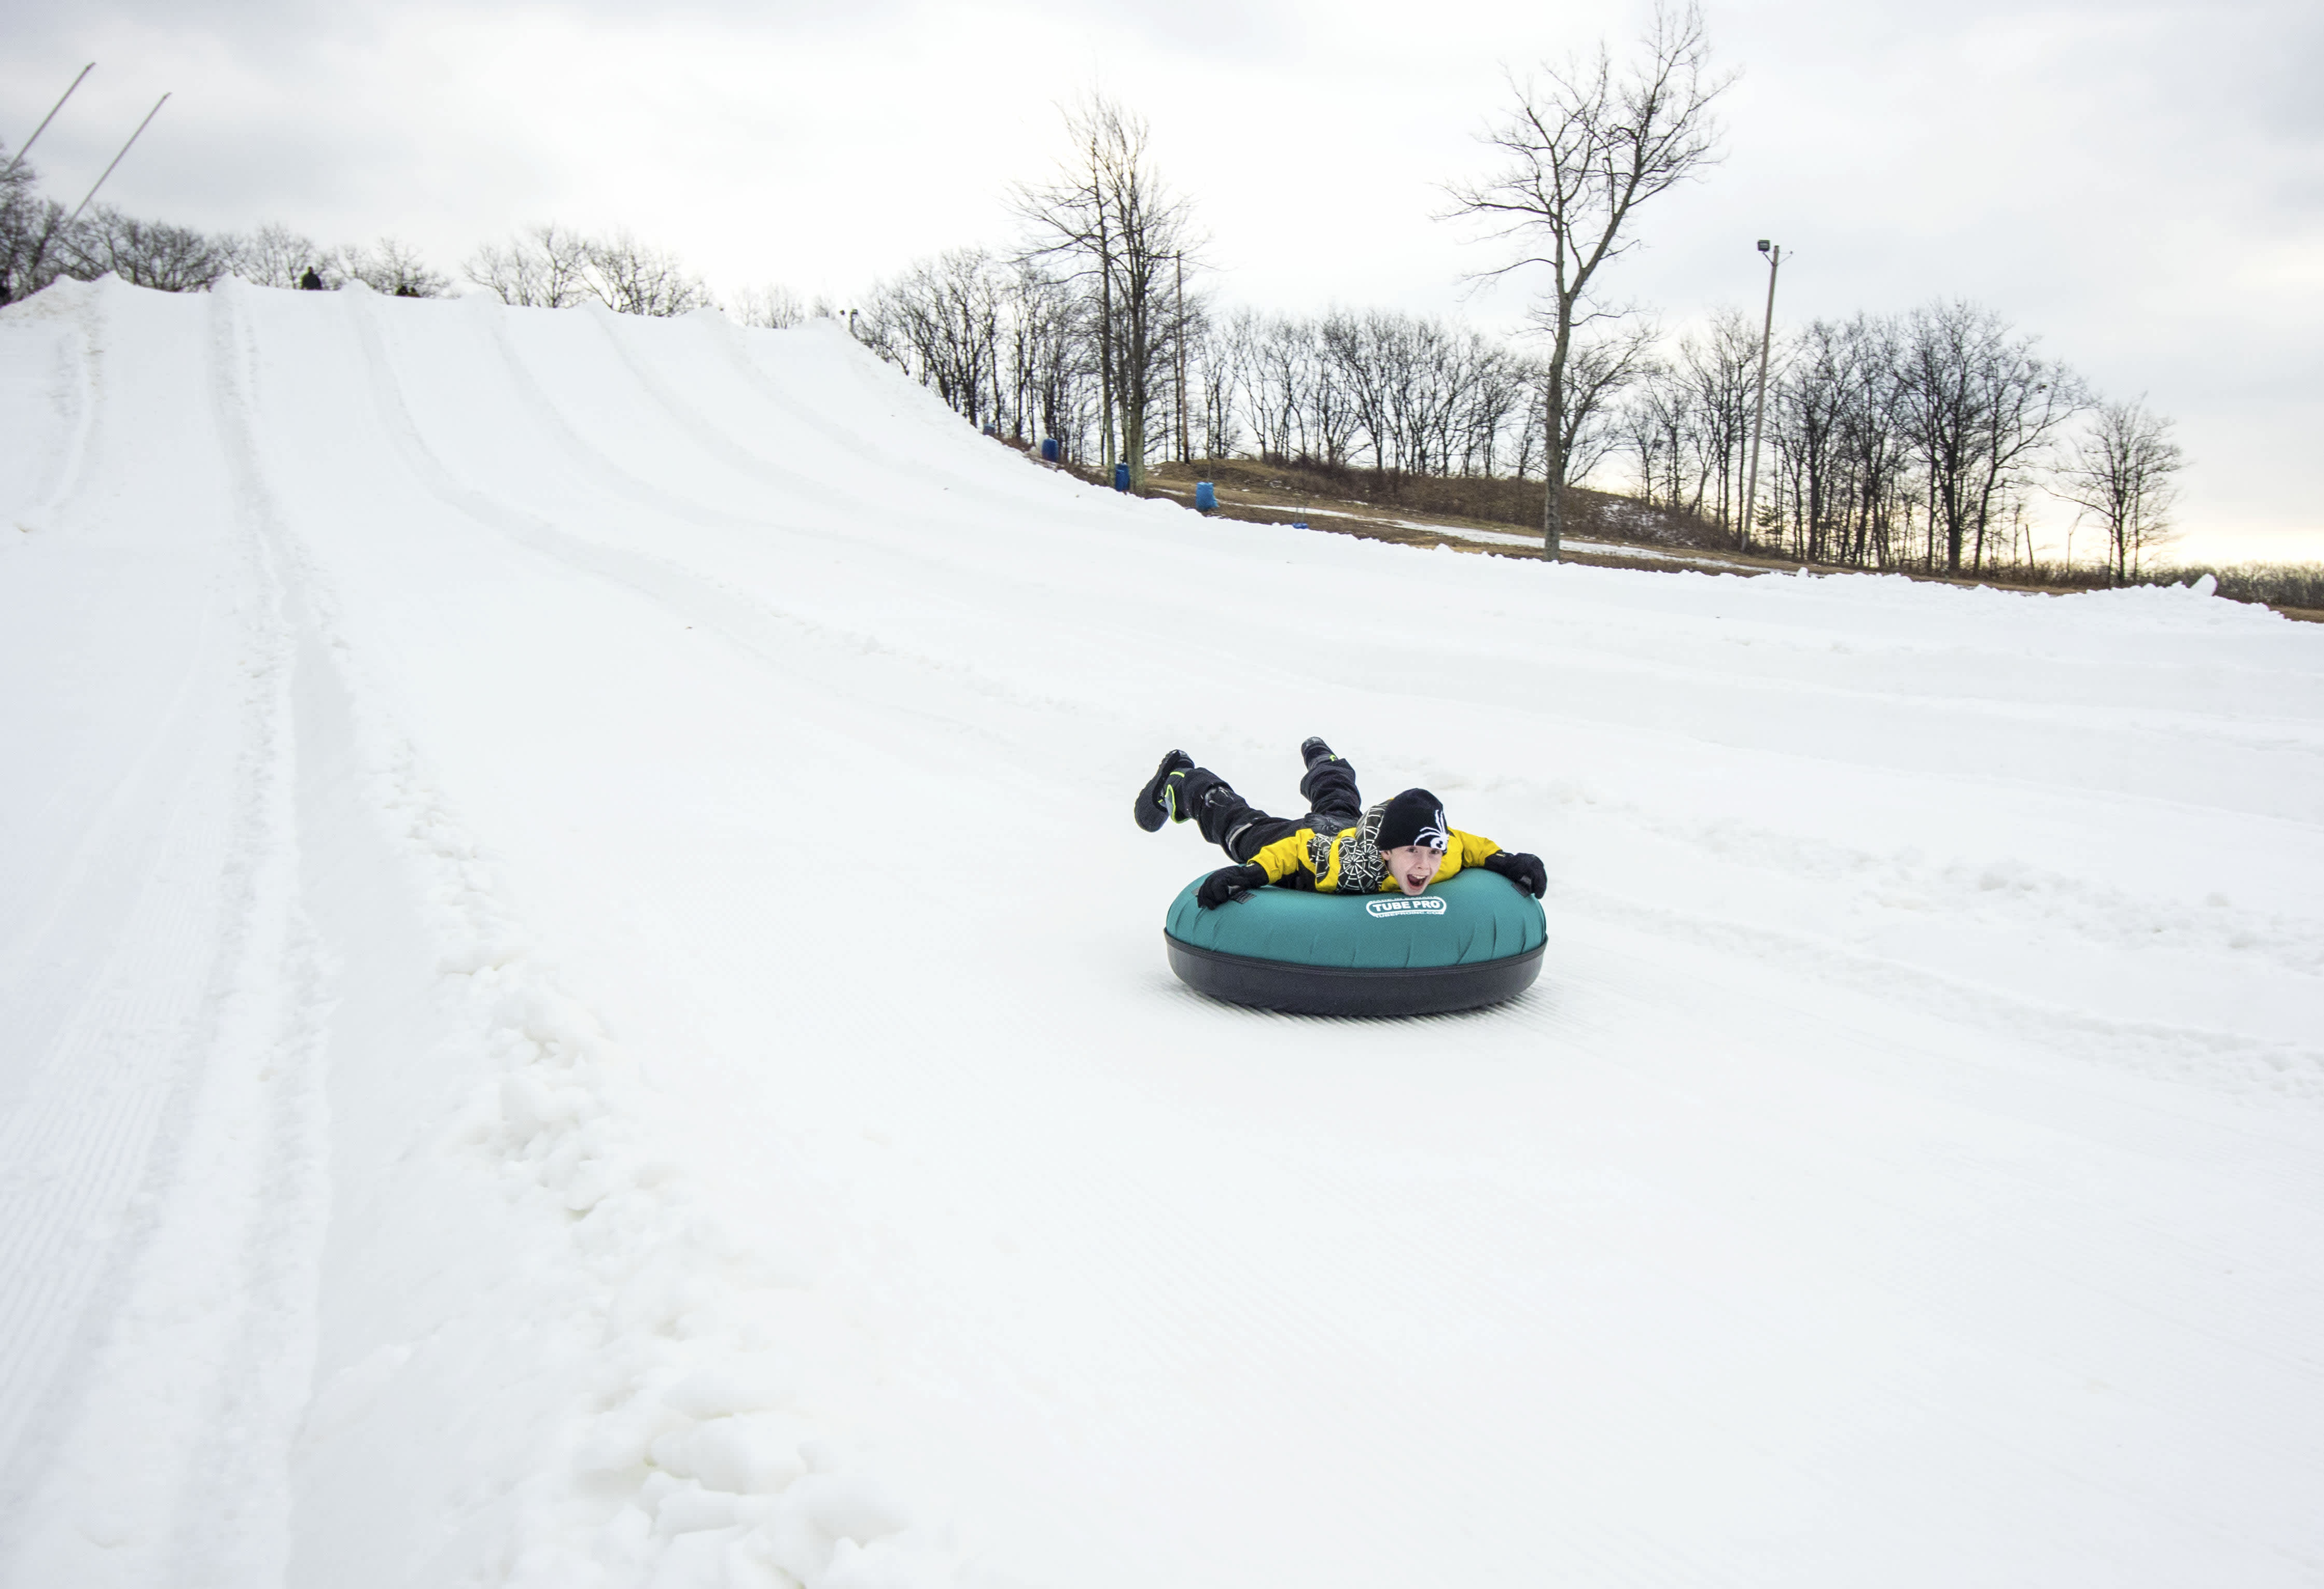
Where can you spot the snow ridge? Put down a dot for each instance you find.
(686, 1456)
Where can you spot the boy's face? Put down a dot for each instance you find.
(1413, 866)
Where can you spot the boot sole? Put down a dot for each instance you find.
(1149, 812)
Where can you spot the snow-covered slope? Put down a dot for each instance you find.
(579, 1004)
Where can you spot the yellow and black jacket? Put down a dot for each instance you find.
(1347, 862)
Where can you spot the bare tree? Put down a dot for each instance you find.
(1356, 349)
(1812, 411)
(1123, 234)
(1600, 371)
(1048, 375)
(275, 256)
(941, 320)
(1716, 362)
(1278, 384)
(1981, 410)
(1495, 388)
(631, 278)
(1226, 349)
(544, 267)
(1586, 147)
(31, 229)
(391, 267)
(2027, 401)
(1301, 404)
(1876, 524)
(144, 253)
(551, 267)
(1072, 223)
(2120, 472)
(772, 306)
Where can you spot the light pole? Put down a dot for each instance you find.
(25, 148)
(1774, 253)
(117, 159)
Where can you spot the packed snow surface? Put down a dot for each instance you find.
(580, 1004)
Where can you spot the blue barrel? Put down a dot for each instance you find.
(1121, 476)
(1049, 449)
(1207, 500)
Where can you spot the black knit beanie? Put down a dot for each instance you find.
(1415, 817)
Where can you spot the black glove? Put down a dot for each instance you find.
(1525, 871)
(1229, 882)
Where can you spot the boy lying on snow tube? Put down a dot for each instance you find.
(1400, 845)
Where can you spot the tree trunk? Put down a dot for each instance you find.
(1552, 457)
(1134, 392)
(1104, 346)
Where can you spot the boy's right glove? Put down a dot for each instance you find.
(1227, 883)
(1525, 871)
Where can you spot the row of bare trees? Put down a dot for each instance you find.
(1100, 335)
(1402, 395)
(1914, 438)
(1025, 352)
(40, 242)
(1925, 439)
(556, 267)
(1012, 348)
(550, 265)
(1086, 329)
(1407, 394)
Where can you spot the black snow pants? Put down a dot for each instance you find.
(1241, 829)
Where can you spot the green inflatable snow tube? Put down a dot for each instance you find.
(1475, 938)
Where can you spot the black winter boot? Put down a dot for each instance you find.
(1313, 750)
(1159, 801)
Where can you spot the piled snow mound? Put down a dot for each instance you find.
(463, 1118)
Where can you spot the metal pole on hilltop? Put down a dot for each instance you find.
(1774, 253)
(25, 148)
(117, 159)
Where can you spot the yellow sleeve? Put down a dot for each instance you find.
(1286, 856)
(1473, 850)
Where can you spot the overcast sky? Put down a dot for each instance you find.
(2141, 184)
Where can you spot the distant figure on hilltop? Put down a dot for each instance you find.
(310, 281)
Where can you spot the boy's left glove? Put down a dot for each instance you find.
(1525, 871)
(1227, 881)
